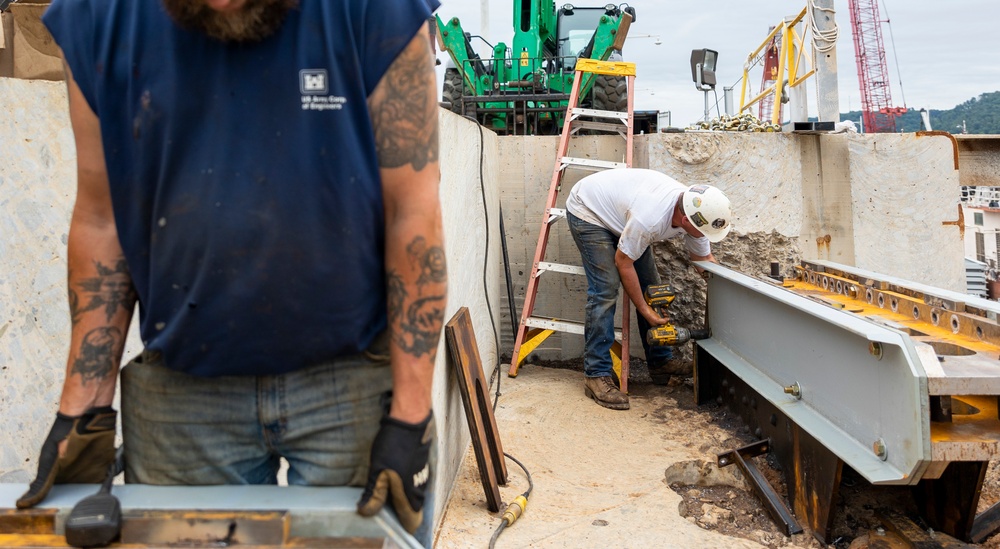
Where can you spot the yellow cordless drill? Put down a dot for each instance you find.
(659, 297)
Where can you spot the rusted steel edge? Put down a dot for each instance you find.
(986, 524)
(772, 502)
(914, 535)
(954, 142)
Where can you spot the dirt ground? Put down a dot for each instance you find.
(727, 505)
(738, 512)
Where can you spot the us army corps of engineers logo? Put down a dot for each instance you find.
(315, 87)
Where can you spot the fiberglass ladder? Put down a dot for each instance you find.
(533, 330)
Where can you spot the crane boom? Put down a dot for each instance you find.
(878, 114)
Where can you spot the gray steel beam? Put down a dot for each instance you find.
(869, 408)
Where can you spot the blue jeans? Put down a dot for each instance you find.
(180, 429)
(597, 247)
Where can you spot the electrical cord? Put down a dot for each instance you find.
(517, 507)
(486, 262)
(520, 503)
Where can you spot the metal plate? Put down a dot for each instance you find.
(314, 513)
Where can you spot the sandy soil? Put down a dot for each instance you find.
(714, 500)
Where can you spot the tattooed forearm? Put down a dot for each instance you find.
(422, 326)
(416, 323)
(429, 259)
(96, 357)
(111, 289)
(404, 111)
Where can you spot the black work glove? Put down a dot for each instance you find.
(90, 449)
(400, 468)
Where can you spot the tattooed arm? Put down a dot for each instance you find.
(101, 296)
(404, 115)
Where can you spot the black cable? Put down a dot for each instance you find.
(486, 262)
(496, 534)
(531, 485)
(510, 515)
(515, 321)
(892, 40)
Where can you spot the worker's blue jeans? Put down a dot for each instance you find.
(597, 247)
(185, 430)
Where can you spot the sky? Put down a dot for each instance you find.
(948, 51)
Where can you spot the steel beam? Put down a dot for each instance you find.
(868, 408)
(896, 379)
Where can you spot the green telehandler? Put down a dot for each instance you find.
(524, 88)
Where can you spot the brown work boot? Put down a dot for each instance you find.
(604, 392)
(660, 374)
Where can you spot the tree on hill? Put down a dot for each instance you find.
(981, 115)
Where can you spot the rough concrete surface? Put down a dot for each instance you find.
(471, 230)
(750, 253)
(37, 190)
(905, 198)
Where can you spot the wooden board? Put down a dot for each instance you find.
(472, 383)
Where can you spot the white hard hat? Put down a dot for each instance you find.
(708, 210)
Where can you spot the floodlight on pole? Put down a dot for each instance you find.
(703, 63)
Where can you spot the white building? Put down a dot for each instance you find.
(981, 211)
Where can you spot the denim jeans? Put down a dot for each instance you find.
(597, 247)
(180, 429)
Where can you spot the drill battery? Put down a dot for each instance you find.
(659, 296)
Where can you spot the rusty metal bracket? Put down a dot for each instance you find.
(771, 500)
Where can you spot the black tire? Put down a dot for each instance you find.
(452, 90)
(610, 93)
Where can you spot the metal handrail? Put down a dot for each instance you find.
(788, 62)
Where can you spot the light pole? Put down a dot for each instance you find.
(703, 63)
(657, 41)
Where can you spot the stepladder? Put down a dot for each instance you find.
(536, 326)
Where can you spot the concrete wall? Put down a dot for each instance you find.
(37, 190)
(471, 210)
(37, 175)
(525, 174)
(886, 203)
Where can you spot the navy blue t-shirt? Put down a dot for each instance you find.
(244, 178)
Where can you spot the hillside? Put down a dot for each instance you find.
(980, 114)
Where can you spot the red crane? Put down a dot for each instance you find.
(769, 78)
(877, 112)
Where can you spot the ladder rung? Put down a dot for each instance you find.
(589, 164)
(555, 214)
(560, 268)
(615, 115)
(599, 126)
(568, 326)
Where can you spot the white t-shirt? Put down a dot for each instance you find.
(636, 205)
